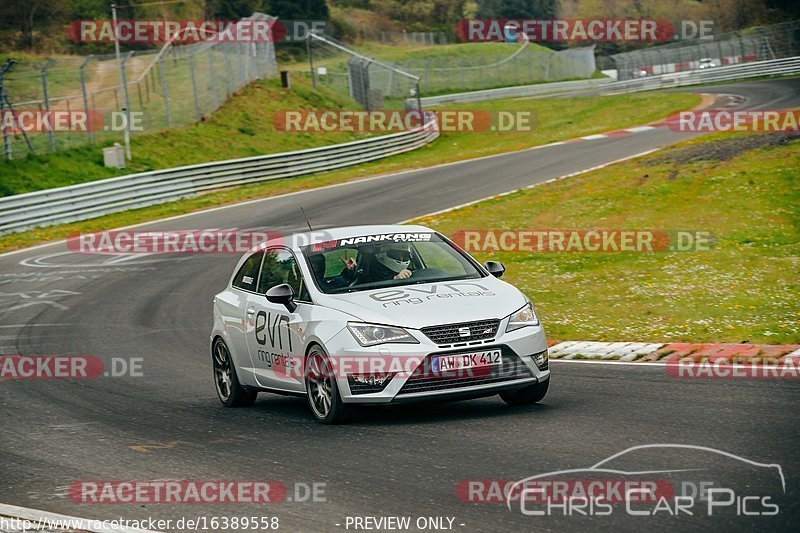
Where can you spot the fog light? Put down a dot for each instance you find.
(368, 383)
(542, 360)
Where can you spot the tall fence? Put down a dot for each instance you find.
(153, 90)
(414, 38)
(527, 64)
(360, 78)
(754, 44)
(390, 84)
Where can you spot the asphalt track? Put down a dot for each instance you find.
(403, 460)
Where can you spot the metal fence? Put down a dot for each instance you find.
(359, 77)
(390, 84)
(523, 65)
(789, 66)
(173, 86)
(414, 38)
(97, 198)
(777, 67)
(754, 44)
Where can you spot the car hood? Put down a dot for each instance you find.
(427, 304)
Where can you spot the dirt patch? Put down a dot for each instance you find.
(724, 149)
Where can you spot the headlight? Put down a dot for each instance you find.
(372, 334)
(524, 317)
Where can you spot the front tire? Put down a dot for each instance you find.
(322, 392)
(526, 395)
(229, 390)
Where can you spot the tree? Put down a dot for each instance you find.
(540, 9)
(234, 9)
(298, 9)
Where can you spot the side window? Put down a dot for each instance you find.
(247, 277)
(279, 267)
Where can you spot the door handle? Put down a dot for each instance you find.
(251, 311)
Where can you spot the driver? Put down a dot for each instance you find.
(391, 262)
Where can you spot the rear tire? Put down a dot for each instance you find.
(229, 390)
(322, 392)
(526, 395)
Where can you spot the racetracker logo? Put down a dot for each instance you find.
(555, 490)
(741, 367)
(377, 369)
(580, 30)
(177, 492)
(713, 120)
(387, 121)
(178, 31)
(17, 122)
(67, 367)
(136, 31)
(170, 242)
(583, 241)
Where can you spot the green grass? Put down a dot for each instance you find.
(745, 288)
(241, 128)
(555, 119)
(400, 52)
(447, 68)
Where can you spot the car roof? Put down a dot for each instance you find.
(296, 241)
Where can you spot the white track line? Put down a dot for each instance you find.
(304, 191)
(613, 363)
(46, 521)
(551, 180)
(33, 325)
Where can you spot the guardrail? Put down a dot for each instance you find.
(540, 89)
(775, 67)
(97, 198)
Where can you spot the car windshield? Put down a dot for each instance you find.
(386, 260)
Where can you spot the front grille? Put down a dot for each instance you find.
(449, 334)
(423, 379)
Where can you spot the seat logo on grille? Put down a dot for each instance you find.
(464, 332)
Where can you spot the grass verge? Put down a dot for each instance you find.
(243, 127)
(555, 119)
(745, 289)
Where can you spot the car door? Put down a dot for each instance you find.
(275, 335)
(232, 305)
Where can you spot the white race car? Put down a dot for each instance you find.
(372, 315)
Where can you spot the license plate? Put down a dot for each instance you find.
(463, 361)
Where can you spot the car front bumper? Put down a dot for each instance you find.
(403, 370)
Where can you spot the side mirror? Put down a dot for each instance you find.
(282, 294)
(495, 268)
